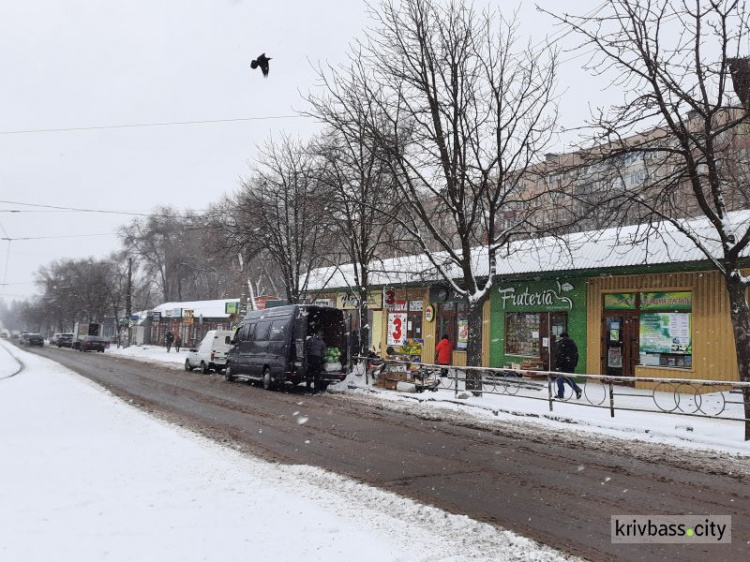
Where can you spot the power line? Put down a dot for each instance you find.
(142, 125)
(9, 239)
(79, 210)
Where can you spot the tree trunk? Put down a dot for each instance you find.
(740, 313)
(364, 326)
(474, 346)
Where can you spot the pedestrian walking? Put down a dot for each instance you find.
(443, 353)
(316, 349)
(566, 359)
(178, 343)
(169, 338)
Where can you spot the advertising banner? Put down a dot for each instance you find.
(396, 328)
(619, 301)
(349, 301)
(675, 300)
(666, 333)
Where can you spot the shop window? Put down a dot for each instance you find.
(522, 333)
(414, 325)
(665, 339)
(453, 319)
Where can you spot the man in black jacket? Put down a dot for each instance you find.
(566, 359)
(316, 349)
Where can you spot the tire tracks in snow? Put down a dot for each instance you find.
(21, 365)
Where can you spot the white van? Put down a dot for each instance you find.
(211, 353)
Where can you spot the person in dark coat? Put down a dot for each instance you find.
(316, 349)
(169, 338)
(178, 343)
(566, 359)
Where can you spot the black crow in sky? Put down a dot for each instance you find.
(262, 62)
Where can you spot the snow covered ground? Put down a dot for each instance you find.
(86, 477)
(683, 431)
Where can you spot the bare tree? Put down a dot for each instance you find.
(674, 59)
(282, 211)
(459, 113)
(178, 253)
(361, 196)
(77, 290)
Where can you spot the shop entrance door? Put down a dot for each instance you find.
(552, 324)
(619, 343)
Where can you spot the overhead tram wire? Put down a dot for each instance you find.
(49, 237)
(145, 125)
(80, 210)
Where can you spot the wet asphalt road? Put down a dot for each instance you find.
(559, 488)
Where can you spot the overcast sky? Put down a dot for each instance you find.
(86, 63)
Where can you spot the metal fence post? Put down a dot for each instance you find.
(549, 390)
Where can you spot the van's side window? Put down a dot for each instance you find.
(246, 332)
(228, 340)
(278, 331)
(261, 331)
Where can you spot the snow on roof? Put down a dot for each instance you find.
(207, 309)
(629, 246)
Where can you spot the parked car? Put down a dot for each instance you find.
(15, 334)
(32, 338)
(5, 334)
(93, 343)
(64, 340)
(211, 353)
(270, 345)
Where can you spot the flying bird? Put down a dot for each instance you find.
(262, 62)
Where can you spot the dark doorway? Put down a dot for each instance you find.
(552, 324)
(619, 343)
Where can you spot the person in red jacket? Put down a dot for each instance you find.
(444, 349)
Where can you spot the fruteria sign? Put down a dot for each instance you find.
(537, 297)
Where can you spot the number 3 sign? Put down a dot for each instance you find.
(396, 328)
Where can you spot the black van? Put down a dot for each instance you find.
(269, 345)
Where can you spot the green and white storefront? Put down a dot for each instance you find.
(528, 315)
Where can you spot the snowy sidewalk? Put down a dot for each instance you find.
(85, 477)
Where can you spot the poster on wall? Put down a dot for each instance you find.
(614, 358)
(463, 333)
(396, 328)
(662, 332)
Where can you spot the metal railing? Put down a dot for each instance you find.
(686, 397)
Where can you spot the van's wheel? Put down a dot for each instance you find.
(204, 368)
(188, 366)
(229, 373)
(268, 382)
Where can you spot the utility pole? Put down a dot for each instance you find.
(243, 295)
(244, 301)
(128, 296)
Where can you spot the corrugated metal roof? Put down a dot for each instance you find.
(637, 245)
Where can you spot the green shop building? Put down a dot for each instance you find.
(527, 317)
